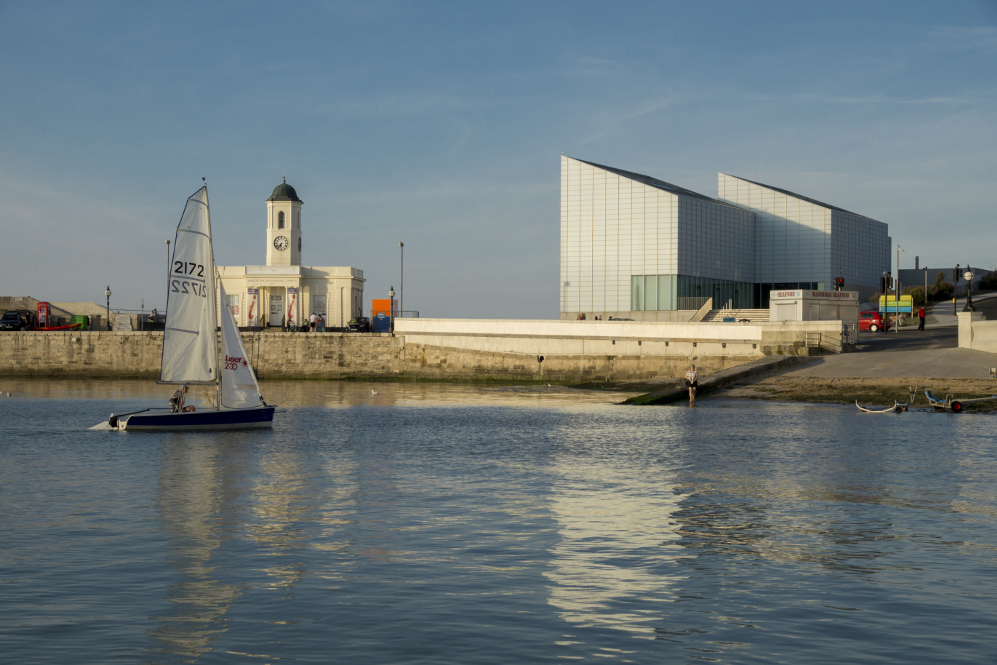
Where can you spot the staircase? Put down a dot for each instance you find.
(753, 315)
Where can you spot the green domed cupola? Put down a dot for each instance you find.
(284, 192)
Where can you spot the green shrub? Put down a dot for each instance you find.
(917, 292)
(941, 291)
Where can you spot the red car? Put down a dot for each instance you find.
(873, 321)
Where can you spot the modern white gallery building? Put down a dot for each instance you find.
(633, 246)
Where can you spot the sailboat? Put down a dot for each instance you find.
(191, 351)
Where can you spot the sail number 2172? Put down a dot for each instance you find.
(188, 268)
(183, 286)
(195, 270)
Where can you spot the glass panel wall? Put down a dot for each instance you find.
(637, 293)
(671, 292)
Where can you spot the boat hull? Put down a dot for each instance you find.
(224, 419)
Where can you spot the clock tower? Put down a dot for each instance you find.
(284, 226)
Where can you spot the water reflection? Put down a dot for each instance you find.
(282, 500)
(190, 505)
(616, 557)
(330, 394)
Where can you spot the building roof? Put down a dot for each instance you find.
(284, 192)
(799, 196)
(654, 182)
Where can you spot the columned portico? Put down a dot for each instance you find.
(283, 292)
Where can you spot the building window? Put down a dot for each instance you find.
(280, 220)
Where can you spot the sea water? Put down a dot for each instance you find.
(411, 523)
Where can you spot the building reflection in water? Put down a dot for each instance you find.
(283, 498)
(191, 505)
(617, 555)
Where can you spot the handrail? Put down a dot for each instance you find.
(703, 311)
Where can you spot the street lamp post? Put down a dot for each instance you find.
(107, 307)
(968, 276)
(897, 290)
(955, 288)
(401, 295)
(391, 307)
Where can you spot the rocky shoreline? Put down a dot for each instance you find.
(866, 391)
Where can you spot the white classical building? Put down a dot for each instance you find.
(633, 246)
(284, 290)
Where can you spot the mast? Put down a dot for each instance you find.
(214, 310)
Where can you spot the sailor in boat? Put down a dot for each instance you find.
(177, 400)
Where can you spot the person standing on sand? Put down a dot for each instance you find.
(920, 315)
(691, 381)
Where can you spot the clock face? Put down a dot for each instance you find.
(281, 243)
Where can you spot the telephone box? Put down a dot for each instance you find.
(44, 315)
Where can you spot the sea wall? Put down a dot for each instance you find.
(975, 332)
(432, 349)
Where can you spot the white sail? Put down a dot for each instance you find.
(239, 387)
(190, 348)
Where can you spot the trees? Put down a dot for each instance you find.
(916, 293)
(989, 282)
(940, 290)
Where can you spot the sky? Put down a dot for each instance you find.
(441, 125)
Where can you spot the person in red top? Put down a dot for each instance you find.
(920, 316)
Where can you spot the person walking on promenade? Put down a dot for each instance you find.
(691, 381)
(920, 315)
(311, 322)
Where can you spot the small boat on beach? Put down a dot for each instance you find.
(896, 408)
(192, 351)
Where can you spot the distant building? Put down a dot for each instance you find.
(633, 246)
(284, 290)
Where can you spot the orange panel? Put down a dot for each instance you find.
(380, 306)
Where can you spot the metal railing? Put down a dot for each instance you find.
(691, 303)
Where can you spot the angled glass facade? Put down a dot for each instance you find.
(630, 242)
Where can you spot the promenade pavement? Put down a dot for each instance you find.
(931, 353)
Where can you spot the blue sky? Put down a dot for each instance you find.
(441, 125)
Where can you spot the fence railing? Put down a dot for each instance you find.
(691, 303)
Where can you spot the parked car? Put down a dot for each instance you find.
(873, 321)
(14, 320)
(359, 324)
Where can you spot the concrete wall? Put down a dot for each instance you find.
(439, 349)
(663, 316)
(977, 333)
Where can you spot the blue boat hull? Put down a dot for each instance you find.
(200, 420)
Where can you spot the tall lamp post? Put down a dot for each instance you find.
(968, 276)
(955, 288)
(107, 306)
(401, 295)
(897, 290)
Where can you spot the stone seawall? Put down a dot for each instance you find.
(348, 356)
